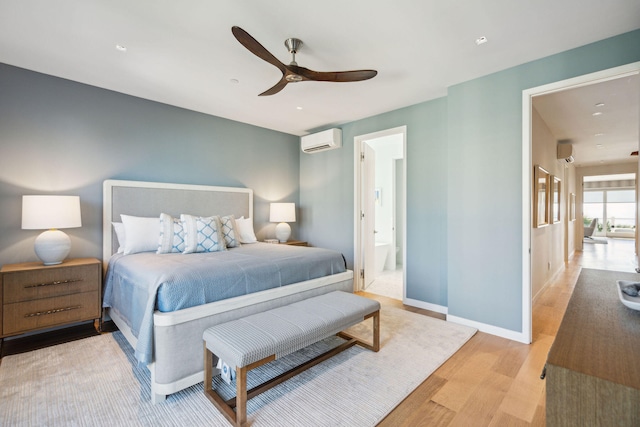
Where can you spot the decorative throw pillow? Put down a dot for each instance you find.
(245, 230)
(118, 227)
(228, 228)
(141, 234)
(202, 234)
(632, 290)
(171, 235)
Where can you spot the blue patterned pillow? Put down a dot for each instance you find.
(171, 235)
(202, 234)
(229, 231)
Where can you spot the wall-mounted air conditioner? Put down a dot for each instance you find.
(321, 141)
(565, 152)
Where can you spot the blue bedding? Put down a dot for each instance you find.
(136, 285)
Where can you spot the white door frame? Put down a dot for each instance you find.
(527, 168)
(358, 262)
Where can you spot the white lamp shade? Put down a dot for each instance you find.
(45, 212)
(51, 212)
(282, 212)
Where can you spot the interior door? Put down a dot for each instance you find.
(369, 211)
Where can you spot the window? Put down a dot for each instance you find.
(615, 209)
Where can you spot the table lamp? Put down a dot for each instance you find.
(51, 213)
(282, 213)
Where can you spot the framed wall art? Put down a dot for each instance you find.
(540, 197)
(555, 201)
(572, 207)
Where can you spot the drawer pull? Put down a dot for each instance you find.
(52, 311)
(56, 282)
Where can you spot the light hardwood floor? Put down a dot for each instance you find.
(493, 381)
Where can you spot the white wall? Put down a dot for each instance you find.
(548, 243)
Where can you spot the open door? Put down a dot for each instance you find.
(369, 214)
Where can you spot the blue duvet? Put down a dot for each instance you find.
(136, 285)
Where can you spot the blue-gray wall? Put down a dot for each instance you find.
(326, 195)
(63, 137)
(464, 185)
(464, 177)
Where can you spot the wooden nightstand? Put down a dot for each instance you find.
(34, 296)
(295, 243)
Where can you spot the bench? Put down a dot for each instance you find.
(252, 341)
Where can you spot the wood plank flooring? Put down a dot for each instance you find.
(490, 381)
(493, 381)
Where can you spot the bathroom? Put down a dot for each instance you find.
(389, 172)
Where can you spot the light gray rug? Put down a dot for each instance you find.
(596, 240)
(95, 381)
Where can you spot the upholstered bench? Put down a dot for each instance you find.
(252, 341)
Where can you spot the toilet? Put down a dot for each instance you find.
(382, 251)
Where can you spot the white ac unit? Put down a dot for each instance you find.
(321, 141)
(565, 152)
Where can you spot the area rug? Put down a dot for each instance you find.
(96, 382)
(596, 240)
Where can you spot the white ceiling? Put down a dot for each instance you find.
(183, 53)
(601, 121)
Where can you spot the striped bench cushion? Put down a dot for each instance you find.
(283, 330)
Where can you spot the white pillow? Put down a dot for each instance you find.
(245, 230)
(119, 229)
(141, 234)
(202, 234)
(171, 235)
(229, 228)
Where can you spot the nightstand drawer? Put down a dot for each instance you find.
(47, 283)
(30, 315)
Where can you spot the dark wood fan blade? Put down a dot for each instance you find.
(275, 89)
(256, 48)
(334, 76)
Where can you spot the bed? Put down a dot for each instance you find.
(167, 333)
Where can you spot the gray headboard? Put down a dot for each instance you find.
(150, 199)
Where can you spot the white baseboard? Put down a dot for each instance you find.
(425, 305)
(490, 329)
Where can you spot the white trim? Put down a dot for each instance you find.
(527, 95)
(358, 263)
(490, 329)
(426, 305)
(193, 313)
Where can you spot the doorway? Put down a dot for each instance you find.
(380, 188)
(527, 189)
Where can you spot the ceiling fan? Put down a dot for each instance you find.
(293, 73)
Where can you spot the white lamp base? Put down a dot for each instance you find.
(283, 231)
(52, 247)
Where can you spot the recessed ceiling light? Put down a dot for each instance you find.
(599, 134)
(298, 108)
(600, 104)
(599, 146)
(481, 40)
(597, 113)
(121, 48)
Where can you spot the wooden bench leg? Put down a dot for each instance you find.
(241, 396)
(239, 416)
(374, 345)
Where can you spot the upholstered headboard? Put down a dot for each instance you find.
(150, 199)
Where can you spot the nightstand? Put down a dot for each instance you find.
(295, 243)
(34, 296)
